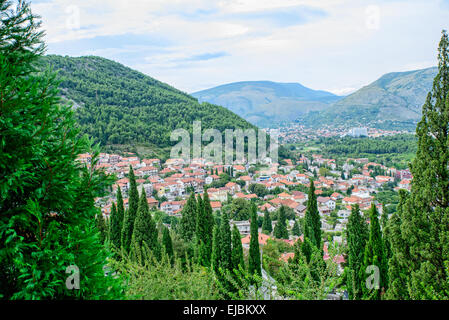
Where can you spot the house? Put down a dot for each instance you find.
(263, 238)
(405, 184)
(216, 205)
(244, 226)
(326, 201)
(171, 207)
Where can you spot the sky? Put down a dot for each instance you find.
(333, 45)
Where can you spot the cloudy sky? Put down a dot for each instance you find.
(335, 45)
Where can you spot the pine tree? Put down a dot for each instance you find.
(254, 262)
(280, 229)
(312, 228)
(237, 249)
(357, 236)
(216, 250)
(130, 216)
(47, 207)
(267, 227)
(144, 230)
(375, 256)
(188, 220)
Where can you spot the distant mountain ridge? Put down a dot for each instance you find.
(265, 102)
(394, 97)
(393, 100)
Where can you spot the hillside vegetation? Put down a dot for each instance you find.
(123, 109)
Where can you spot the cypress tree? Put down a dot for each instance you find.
(120, 207)
(130, 216)
(116, 221)
(237, 249)
(225, 238)
(280, 229)
(425, 218)
(204, 227)
(167, 242)
(254, 266)
(296, 231)
(357, 236)
(101, 226)
(144, 230)
(267, 227)
(216, 250)
(375, 256)
(188, 219)
(312, 228)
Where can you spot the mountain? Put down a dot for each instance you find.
(265, 103)
(394, 100)
(126, 110)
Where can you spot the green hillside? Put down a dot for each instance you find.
(124, 109)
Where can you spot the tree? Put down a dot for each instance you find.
(375, 256)
(144, 230)
(357, 236)
(312, 228)
(116, 221)
(130, 216)
(237, 249)
(204, 227)
(254, 266)
(267, 227)
(296, 231)
(225, 239)
(424, 220)
(47, 208)
(167, 242)
(188, 220)
(216, 250)
(101, 226)
(280, 229)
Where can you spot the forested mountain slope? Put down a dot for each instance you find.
(118, 106)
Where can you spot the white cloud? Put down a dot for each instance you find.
(338, 48)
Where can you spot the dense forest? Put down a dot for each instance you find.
(119, 106)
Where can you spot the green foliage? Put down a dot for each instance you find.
(357, 236)
(254, 262)
(121, 106)
(47, 212)
(130, 214)
(159, 279)
(204, 227)
(280, 229)
(296, 230)
(267, 227)
(144, 230)
(167, 242)
(419, 233)
(237, 250)
(188, 220)
(375, 256)
(312, 228)
(116, 221)
(240, 209)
